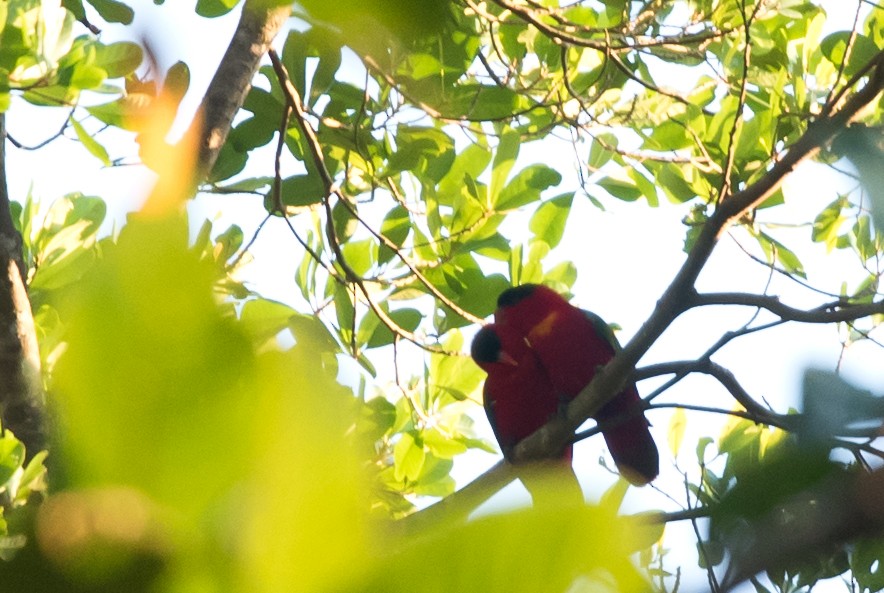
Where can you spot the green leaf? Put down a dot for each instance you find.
(248, 185)
(113, 11)
(671, 178)
(702, 444)
(504, 158)
(620, 188)
(230, 162)
(118, 59)
(177, 81)
(526, 187)
(12, 455)
(263, 318)
(469, 163)
(302, 190)
(645, 186)
(407, 319)
(834, 47)
(435, 480)
(548, 221)
(550, 545)
(345, 312)
(396, 227)
(865, 562)
(599, 154)
(90, 143)
(709, 554)
(126, 112)
(376, 418)
(442, 445)
(777, 252)
(361, 256)
(214, 8)
(427, 152)
(408, 457)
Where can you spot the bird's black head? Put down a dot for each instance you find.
(486, 346)
(511, 296)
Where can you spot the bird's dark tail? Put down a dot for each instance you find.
(629, 439)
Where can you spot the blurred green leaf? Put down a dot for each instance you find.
(551, 547)
(677, 426)
(408, 457)
(113, 11)
(12, 456)
(118, 59)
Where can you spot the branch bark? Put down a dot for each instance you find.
(829, 313)
(22, 402)
(259, 23)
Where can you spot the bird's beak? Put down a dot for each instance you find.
(507, 359)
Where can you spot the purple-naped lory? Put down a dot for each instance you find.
(567, 346)
(518, 394)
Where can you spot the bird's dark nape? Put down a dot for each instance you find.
(511, 296)
(486, 346)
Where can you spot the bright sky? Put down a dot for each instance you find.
(626, 257)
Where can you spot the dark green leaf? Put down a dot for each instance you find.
(407, 319)
(113, 11)
(396, 227)
(230, 162)
(302, 190)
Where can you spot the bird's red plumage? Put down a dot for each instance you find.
(519, 397)
(570, 349)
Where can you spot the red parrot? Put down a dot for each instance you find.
(518, 394)
(570, 345)
(519, 398)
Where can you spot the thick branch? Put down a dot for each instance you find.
(21, 392)
(258, 25)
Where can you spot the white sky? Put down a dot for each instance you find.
(627, 256)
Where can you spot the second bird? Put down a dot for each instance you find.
(565, 346)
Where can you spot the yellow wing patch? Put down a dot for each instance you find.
(545, 327)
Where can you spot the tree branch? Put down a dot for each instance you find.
(835, 312)
(258, 25)
(22, 402)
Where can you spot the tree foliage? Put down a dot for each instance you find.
(204, 436)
